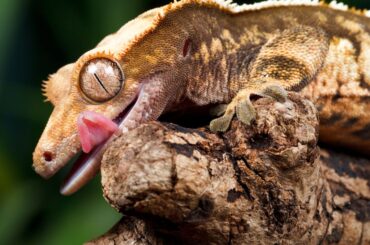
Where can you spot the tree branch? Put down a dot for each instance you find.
(260, 184)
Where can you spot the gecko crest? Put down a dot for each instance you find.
(230, 5)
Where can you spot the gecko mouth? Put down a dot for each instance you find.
(147, 104)
(88, 164)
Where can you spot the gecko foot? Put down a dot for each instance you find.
(244, 111)
(239, 104)
(243, 108)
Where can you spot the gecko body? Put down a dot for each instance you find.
(210, 52)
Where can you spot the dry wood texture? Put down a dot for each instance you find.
(258, 184)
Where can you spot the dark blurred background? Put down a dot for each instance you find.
(36, 38)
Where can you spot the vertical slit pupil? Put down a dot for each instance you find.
(186, 48)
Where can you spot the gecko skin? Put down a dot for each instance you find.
(202, 52)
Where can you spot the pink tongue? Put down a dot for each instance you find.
(93, 129)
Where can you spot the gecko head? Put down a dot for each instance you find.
(91, 99)
(126, 80)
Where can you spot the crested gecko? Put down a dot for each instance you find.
(209, 52)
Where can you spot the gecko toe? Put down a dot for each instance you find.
(245, 111)
(276, 92)
(221, 124)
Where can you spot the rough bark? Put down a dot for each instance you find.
(258, 184)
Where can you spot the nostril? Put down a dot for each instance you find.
(48, 156)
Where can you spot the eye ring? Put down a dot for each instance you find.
(101, 79)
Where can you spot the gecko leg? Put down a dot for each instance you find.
(289, 60)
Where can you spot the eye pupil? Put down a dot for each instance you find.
(101, 79)
(101, 83)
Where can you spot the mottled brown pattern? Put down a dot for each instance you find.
(282, 68)
(223, 52)
(341, 66)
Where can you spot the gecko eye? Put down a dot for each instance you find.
(101, 79)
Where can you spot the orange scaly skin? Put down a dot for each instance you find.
(214, 52)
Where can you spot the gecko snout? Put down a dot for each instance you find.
(43, 162)
(49, 157)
